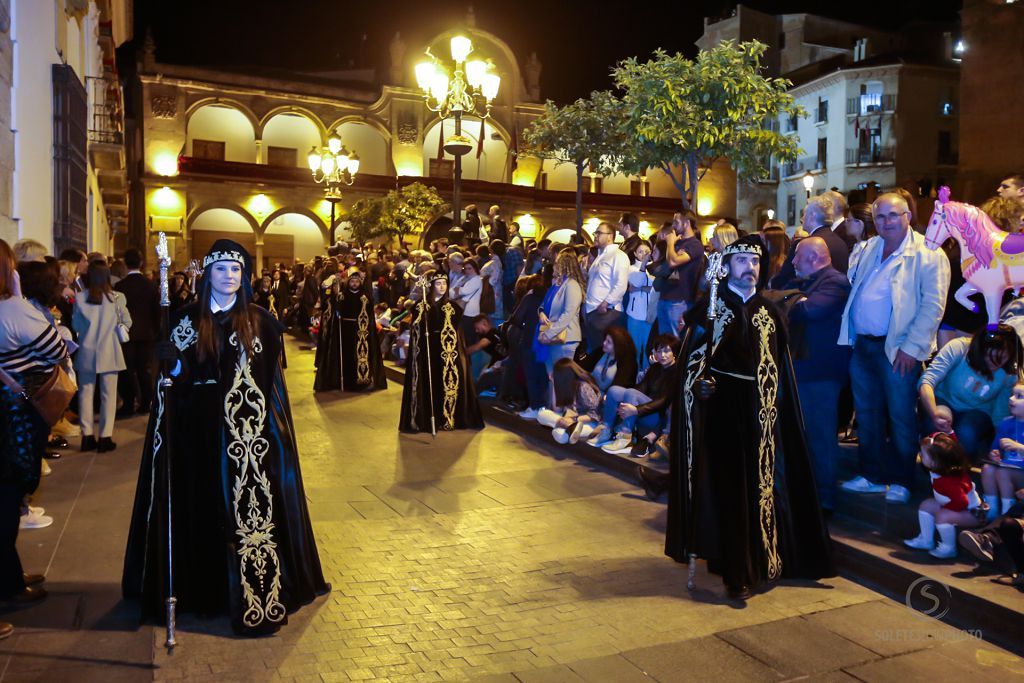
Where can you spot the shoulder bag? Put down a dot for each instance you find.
(52, 397)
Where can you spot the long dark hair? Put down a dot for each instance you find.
(564, 376)
(985, 343)
(97, 280)
(243, 321)
(623, 344)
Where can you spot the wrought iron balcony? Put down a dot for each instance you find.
(106, 123)
(871, 103)
(870, 156)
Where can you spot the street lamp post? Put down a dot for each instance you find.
(470, 90)
(333, 166)
(808, 184)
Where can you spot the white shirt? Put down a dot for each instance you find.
(837, 222)
(215, 308)
(639, 300)
(741, 294)
(872, 310)
(470, 289)
(607, 278)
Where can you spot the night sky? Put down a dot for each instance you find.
(577, 42)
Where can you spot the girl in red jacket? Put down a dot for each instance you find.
(954, 499)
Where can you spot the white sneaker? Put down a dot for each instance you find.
(599, 437)
(622, 445)
(920, 543)
(36, 510)
(582, 430)
(862, 485)
(943, 551)
(31, 520)
(897, 494)
(528, 414)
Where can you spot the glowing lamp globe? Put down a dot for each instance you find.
(461, 47)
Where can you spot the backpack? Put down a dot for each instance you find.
(487, 302)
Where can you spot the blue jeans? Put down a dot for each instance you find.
(820, 404)
(644, 424)
(669, 315)
(536, 377)
(973, 429)
(556, 352)
(639, 330)
(595, 324)
(883, 400)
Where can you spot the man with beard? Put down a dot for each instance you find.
(741, 488)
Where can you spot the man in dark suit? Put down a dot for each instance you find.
(821, 365)
(839, 211)
(143, 301)
(817, 221)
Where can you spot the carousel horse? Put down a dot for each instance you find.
(992, 260)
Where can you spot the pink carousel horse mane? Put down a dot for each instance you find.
(975, 227)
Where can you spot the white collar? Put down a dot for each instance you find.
(740, 294)
(837, 222)
(134, 272)
(215, 308)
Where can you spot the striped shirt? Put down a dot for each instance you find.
(28, 341)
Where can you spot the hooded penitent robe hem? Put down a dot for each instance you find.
(348, 353)
(741, 491)
(243, 542)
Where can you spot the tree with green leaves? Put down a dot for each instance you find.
(682, 115)
(364, 218)
(408, 209)
(586, 134)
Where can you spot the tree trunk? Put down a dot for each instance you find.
(579, 200)
(692, 181)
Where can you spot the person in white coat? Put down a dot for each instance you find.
(99, 312)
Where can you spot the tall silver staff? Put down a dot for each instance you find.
(713, 273)
(164, 387)
(423, 282)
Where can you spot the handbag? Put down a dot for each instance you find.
(122, 331)
(559, 338)
(52, 397)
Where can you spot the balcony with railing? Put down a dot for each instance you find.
(871, 103)
(106, 124)
(802, 165)
(870, 156)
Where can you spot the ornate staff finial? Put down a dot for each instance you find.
(164, 259)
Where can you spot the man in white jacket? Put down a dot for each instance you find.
(891, 318)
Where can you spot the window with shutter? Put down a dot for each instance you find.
(70, 199)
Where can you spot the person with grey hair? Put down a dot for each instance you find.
(817, 222)
(891, 320)
(27, 250)
(840, 209)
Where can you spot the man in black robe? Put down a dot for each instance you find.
(439, 392)
(348, 356)
(741, 488)
(243, 542)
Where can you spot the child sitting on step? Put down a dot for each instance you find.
(1003, 474)
(954, 499)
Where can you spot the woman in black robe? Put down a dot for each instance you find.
(244, 544)
(350, 359)
(439, 392)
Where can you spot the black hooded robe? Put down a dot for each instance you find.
(243, 542)
(437, 356)
(740, 480)
(348, 355)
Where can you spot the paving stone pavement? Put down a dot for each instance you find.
(475, 556)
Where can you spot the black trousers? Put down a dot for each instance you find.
(135, 383)
(12, 577)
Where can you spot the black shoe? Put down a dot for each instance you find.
(88, 443)
(51, 455)
(29, 594)
(57, 442)
(652, 488)
(105, 445)
(739, 593)
(979, 545)
(33, 579)
(641, 449)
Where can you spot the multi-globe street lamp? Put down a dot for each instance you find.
(469, 90)
(333, 166)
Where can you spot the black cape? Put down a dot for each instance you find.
(741, 484)
(243, 542)
(348, 353)
(437, 357)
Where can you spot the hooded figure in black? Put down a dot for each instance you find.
(243, 543)
(741, 488)
(348, 354)
(438, 381)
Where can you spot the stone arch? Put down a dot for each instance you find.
(223, 121)
(225, 102)
(203, 208)
(496, 152)
(565, 232)
(436, 228)
(294, 109)
(494, 48)
(321, 224)
(371, 121)
(307, 230)
(373, 143)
